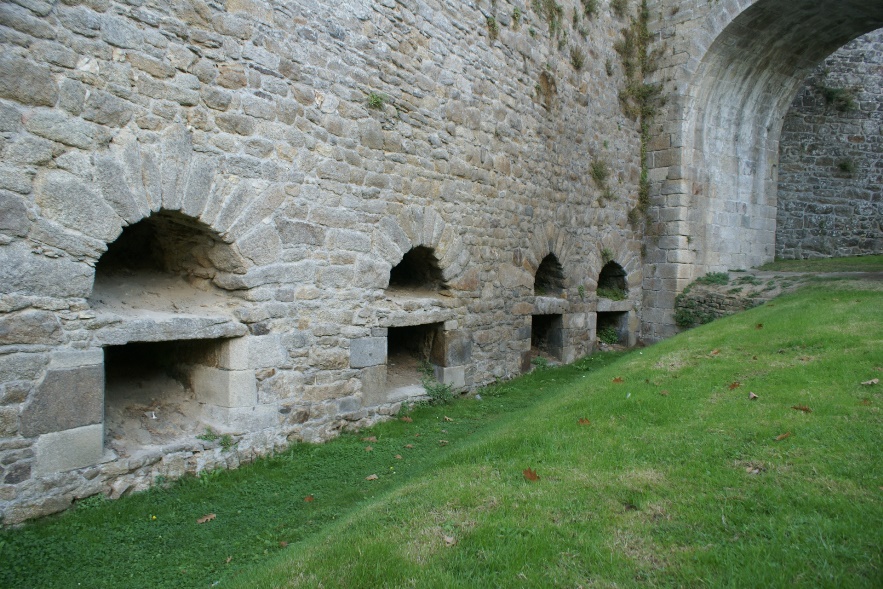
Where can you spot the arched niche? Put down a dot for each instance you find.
(418, 271)
(549, 277)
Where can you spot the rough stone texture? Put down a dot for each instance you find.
(242, 136)
(69, 449)
(830, 194)
(65, 399)
(367, 351)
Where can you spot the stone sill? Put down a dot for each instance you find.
(118, 328)
(606, 306)
(550, 306)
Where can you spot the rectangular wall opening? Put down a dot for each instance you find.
(408, 353)
(149, 399)
(612, 327)
(547, 337)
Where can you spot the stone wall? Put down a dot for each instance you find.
(830, 197)
(275, 160)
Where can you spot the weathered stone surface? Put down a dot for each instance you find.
(26, 82)
(367, 351)
(66, 450)
(65, 198)
(24, 272)
(106, 109)
(224, 388)
(451, 348)
(67, 130)
(65, 399)
(14, 218)
(8, 423)
(30, 327)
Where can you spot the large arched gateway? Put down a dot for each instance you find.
(730, 70)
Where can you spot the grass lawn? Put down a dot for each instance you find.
(851, 264)
(654, 469)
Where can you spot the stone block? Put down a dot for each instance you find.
(451, 348)
(367, 351)
(455, 376)
(373, 379)
(65, 399)
(26, 82)
(30, 327)
(224, 388)
(69, 449)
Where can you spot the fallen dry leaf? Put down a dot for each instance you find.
(283, 543)
(448, 418)
(398, 456)
(872, 382)
(409, 446)
(618, 379)
(229, 558)
(866, 402)
(583, 421)
(758, 326)
(663, 393)
(371, 477)
(450, 541)
(407, 419)
(715, 352)
(530, 475)
(803, 408)
(369, 439)
(752, 396)
(368, 448)
(206, 518)
(754, 357)
(442, 442)
(309, 498)
(781, 437)
(735, 385)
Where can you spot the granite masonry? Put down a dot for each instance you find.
(830, 200)
(226, 226)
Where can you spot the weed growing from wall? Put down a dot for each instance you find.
(639, 100)
(493, 28)
(376, 100)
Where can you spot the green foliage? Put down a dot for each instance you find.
(208, 436)
(540, 362)
(577, 58)
(376, 100)
(493, 29)
(516, 18)
(842, 99)
(608, 335)
(847, 166)
(619, 7)
(721, 278)
(590, 8)
(607, 255)
(600, 172)
(438, 393)
(688, 313)
(614, 294)
(552, 12)
(581, 291)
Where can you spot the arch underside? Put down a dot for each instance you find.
(733, 118)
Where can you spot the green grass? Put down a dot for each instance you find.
(678, 480)
(852, 264)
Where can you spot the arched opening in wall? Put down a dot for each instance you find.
(612, 282)
(549, 278)
(408, 358)
(418, 272)
(830, 188)
(614, 308)
(166, 329)
(731, 119)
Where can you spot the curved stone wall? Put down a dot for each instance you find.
(830, 194)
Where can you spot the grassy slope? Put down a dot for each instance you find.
(656, 490)
(851, 264)
(659, 489)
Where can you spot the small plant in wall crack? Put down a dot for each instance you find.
(847, 166)
(493, 28)
(577, 58)
(376, 100)
(599, 172)
(606, 255)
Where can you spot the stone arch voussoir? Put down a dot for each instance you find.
(551, 239)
